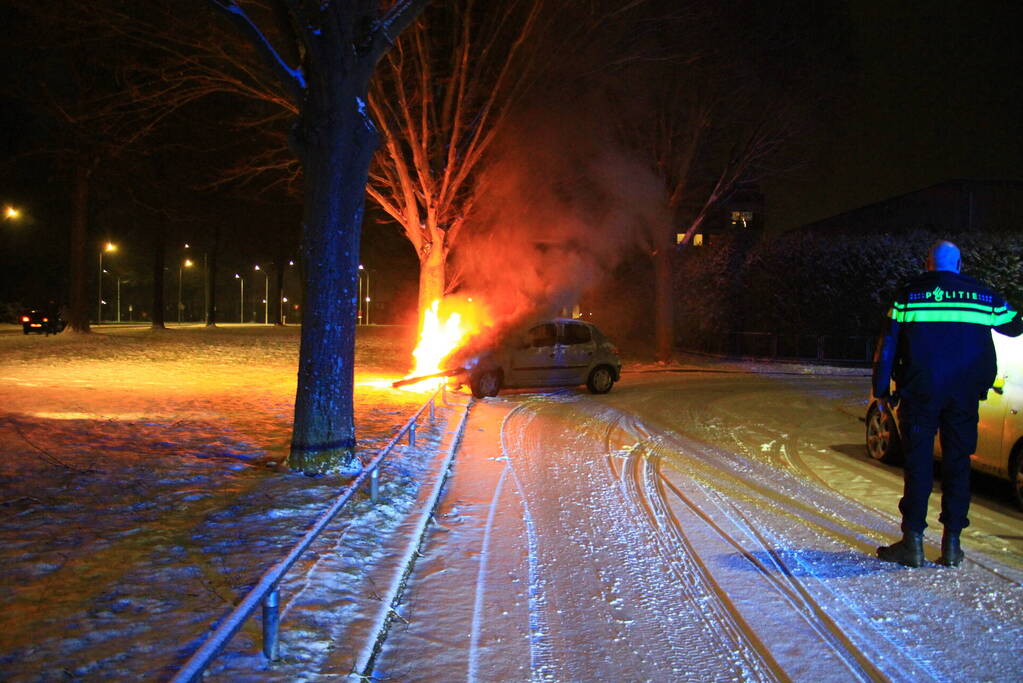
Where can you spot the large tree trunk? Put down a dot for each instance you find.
(336, 158)
(79, 314)
(431, 277)
(664, 310)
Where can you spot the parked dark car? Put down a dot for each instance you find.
(553, 353)
(42, 322)
(1000, 427)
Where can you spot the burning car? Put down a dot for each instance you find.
(553, 353)
(999, 432)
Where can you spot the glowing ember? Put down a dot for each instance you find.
(447, 325)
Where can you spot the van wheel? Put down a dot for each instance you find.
(883, 436)
(600, 380)
(486, 383)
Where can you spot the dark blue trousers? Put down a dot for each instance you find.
(955, 416)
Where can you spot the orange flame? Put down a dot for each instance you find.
(447, 325)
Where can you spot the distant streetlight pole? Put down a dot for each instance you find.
(241, 298)
(366, 301)
(187, 263)
(266, 295)
(108, 247)
(118, 298)
(359, 319)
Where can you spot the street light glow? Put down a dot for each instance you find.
(11, 212)
(110, 246)
(188, 263)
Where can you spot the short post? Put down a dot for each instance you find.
(271, 623)
(432, 414)
(412, 434)
(374, 484)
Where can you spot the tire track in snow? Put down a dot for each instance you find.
(481, 579)
(641, 613)
(788, 586)
(719, 615)
(540, 654)
(645, 482)
(789, 454)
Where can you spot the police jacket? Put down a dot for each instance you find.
(937, 337)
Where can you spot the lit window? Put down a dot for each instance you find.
(742, 219)
(698, 239)
(679, 236)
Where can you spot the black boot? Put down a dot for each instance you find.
(909, 551)
(951, 553)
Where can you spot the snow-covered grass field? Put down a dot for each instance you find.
(139, 487)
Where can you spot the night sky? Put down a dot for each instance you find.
(928, 92)
(934, 94)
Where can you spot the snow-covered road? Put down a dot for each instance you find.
(694, 526)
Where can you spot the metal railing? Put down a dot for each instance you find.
(266, 591)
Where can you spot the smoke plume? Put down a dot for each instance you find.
(559, 206)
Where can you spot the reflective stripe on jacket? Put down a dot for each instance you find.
(938, 337)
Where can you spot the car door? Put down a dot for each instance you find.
(990, 428)
(1000, 410)
(533, 362)
(577, 348)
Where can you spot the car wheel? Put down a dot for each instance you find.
(486, 383)
(1016, 475)
(883, 442)
(600, 380)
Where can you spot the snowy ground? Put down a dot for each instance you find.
(138, 498)
(714, 524)
(706, 520)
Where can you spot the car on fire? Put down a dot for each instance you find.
(41, 322)
(999, 430)
(552, 353)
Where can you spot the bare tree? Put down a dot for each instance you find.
(444, 93)
(338, 45)
(705, 122)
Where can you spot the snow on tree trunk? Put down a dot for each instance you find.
(431, 277)
(336, 165)
(79, 313)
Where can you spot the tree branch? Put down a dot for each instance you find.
(291, 79)
(397, 19)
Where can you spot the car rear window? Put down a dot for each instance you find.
(577, 334)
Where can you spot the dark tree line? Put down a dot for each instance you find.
(821, 284)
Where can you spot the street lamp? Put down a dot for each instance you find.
(186, 264)
(241, 298)
(266, 296)
(109, 247)
(363, 313)
(364, 299)
(11, 213)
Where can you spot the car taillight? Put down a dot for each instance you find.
(46, 320)
(24, 318)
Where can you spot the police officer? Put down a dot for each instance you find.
(937, 346)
